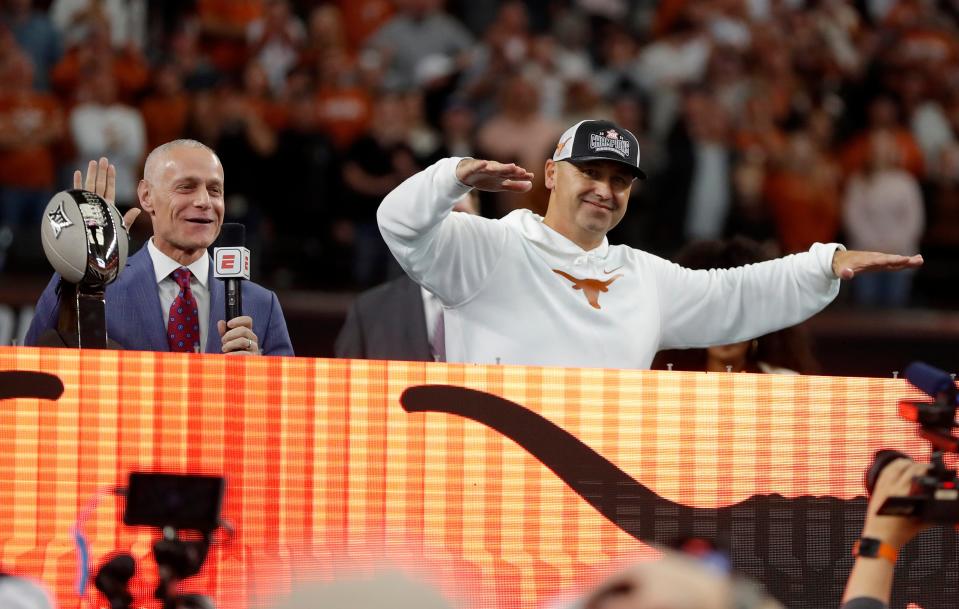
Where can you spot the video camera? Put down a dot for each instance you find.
(934, 496)
(172, 503)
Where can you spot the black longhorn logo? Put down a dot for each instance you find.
(799, 547)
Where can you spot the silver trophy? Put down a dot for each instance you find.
(85, 241)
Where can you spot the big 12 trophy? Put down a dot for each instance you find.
(86, 243)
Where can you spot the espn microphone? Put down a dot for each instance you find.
(231, 263)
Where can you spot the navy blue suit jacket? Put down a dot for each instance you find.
(135, 318)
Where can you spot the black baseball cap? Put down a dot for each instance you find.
(599, 141)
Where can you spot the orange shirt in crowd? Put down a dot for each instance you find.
(165, 118)
(129, 70)
(274, 114)
(856, 153)
(343, 114)
(31, 164)
(363, 17)
(805, 209)
(224, 24)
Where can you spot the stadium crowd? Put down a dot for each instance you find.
(786, 121)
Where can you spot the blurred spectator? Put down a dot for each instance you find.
(883, 211)
(803, 195)
(101, 125)
(507, 48)
(21, 593)
(666, 64)
(518, 132)
(420, 29)
(224, 25)
(275, 40)
(299, 220)
(194, 66)
(31, 125)
(386, 589)
(458, 124)
(363, 17)
(374, 165)
(246, 139)
(694, 196)
(95, 55)
(126, 20)
(883, 116)
(325, 34)
(166, 108)
(787, 351)
(342, 103)
(35, 34)
(676, 581)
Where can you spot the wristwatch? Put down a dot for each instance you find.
(870, 547)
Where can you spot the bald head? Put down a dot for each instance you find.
(158, 156)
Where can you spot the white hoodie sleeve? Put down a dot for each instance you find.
(451, 255)
(719, 307)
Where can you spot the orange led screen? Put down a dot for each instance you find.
(506, 486)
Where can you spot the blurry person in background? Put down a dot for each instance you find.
(418, 30)
(166, 108)
(22, 593)
(884, 115)
(103, 126)
(802, 192)
(381, 590)
(692, 197)
(786, 351)
(676, 581)
(519, 133)
(398, 320)
(883, 210)
(93, 55)
(35, 35)
(374, 165)
(274, 41)
(31, 126)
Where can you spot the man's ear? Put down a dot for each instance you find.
(143, 193)
(550, 174)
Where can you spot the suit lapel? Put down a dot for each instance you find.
(144, 303)
(415, 333)
(217, 307)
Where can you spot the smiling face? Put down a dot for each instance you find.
(587, 199)
(182, 190)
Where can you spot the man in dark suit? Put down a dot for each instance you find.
(387, 322)
(166, 298)
(398, 320)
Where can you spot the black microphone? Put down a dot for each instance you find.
(232, 265)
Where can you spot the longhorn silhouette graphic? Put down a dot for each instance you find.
(799, 547)
(590, 287)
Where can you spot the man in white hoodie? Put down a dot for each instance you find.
(551, 291)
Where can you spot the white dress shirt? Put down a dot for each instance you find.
(163, 267)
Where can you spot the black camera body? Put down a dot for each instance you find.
(172, 503)
(934, 496)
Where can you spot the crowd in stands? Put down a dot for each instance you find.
(787, 121)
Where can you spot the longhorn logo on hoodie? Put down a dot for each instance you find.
(590, 287)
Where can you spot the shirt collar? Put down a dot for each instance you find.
(536, 230)
(163, 265)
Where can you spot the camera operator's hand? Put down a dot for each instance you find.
(871, 577)
(895, 480)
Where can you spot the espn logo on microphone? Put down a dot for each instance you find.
(231, 263)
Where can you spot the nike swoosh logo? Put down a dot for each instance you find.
(614, 270)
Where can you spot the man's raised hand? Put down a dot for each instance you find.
(102, 180)
(848, 264)
(493, 177)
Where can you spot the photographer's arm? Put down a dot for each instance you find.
(870, 583)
